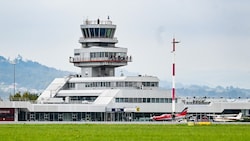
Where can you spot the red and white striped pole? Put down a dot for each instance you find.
(173, 77)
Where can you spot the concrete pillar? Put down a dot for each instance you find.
(16, 115)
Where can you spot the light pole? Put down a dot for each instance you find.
(14, 77)
(14, 74)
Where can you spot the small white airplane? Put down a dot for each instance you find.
(165, 117)
(227, 118)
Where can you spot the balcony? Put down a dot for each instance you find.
(101, 59)
(98, 40)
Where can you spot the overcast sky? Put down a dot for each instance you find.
(214, 35)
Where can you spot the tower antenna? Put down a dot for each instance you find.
(173, 76)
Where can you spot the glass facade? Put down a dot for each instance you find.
(144, 100)
(68, 116)
(98, 32)
(106, 84)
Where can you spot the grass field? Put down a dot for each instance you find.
(122, 132)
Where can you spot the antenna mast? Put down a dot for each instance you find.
(173, 76)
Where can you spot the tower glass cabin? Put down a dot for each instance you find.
(98, 55)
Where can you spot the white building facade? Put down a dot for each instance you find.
(98, 95)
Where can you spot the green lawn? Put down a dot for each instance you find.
(119, 132)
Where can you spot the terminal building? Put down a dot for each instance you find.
(97, 94)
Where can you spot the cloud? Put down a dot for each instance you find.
(214, 34)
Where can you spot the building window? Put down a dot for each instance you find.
(150, 84)
(139, 100)
(92, 32)
(161, 100)
(153, 100)
(157, 100)
(71, 85)
(108, 33)
(148, 100)
(136, 100)
(170, 100)
(86, 33)
(126, 100)
(119, 84)
(102, 32)
(117, 100)
(77, 54)
(143, 100)
(130, 100)
(97, 32)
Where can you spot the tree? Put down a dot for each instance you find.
(26, 96)
(16, 97)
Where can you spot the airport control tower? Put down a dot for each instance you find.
(98, 56)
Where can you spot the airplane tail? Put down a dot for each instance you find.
(184, 111)
(239, 116)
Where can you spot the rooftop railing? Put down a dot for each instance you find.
(88, 22)
(100, 59)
